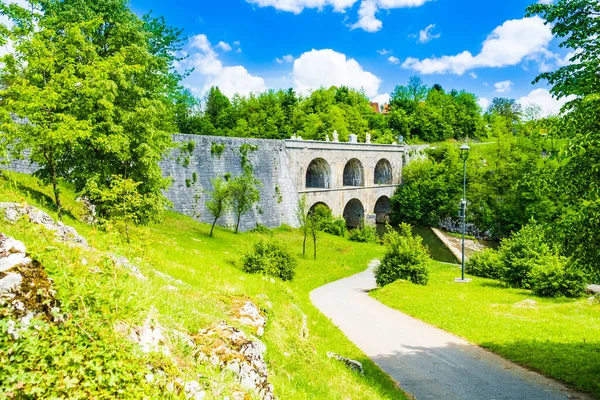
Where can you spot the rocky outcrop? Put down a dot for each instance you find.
(15, 211)
(350, 363)
(229, 348)
(25, 289)
(247, 313)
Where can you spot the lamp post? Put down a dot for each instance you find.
(464, 154)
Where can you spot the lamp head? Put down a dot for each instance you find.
(464, 151)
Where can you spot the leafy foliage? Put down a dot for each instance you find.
(552, 277)
(364, 234)
(219, 200)
(405, 258)
(270, 258)
(244, 193)
(485, 264)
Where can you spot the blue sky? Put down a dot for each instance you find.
(486, 47)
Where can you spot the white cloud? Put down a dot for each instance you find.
(381, 98)
(508, 44)
(425, 35)
(285, 59)
(317, 68)
(503, 87)
(210, 71)
(366, 12)
(543, 98)
(473, 75)
(545, 1)
(297, 6)
(224, 46)
(384, 52)
(394, 60)
(484, 103)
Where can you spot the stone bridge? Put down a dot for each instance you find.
(354, 180)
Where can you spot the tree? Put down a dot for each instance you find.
(302, 217)
(42, 81)
(313, 223)
(219, 200)
(244, 195)
(120, 84)
(216, 103)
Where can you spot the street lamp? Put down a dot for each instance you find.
(464, 154)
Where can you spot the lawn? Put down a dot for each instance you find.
(558, 337)
(180, 247)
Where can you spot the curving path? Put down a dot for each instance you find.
(426, 361)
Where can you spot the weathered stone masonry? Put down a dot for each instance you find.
(355, 180)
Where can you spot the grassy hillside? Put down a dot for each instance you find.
(559, 337)
(97, 295)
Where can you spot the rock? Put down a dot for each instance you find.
(10, 283)
(125, 263)
(193, 390)
(249, 314)
(149, 336)
(304, 328)
(527, 303)
(13, 260)
(11, 245)
(229, 348)
(350, 363)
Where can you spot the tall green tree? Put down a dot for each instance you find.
(244, 195)
(219, 200)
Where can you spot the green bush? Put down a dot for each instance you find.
(334, 226)
(270, 258)
(520, 253)
(405, 258)
(485, 264)
(365, 234)
(552, 277)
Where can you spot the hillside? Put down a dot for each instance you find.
(185, 284)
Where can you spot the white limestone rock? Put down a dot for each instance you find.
(10, 283)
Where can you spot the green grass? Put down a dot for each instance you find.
(180, 246)
(558, 337)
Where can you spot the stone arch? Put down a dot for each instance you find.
(354, 213)
(382, 210)
(383, 172)
(318, 203)
(354, 173)
(318, 174)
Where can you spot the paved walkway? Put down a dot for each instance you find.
(427, 362)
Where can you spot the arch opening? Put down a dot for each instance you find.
(383, 172)
(318, 174)
(320, 207)
(354, 173)
(382, 210)
(354, 214)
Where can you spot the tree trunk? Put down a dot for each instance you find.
(237, 224)
(213, 226)
(315, 246)
(55, 188)
(304, 244)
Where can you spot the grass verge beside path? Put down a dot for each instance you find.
(180, 247)
(558, 337)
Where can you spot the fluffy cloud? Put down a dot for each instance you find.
(394, 60)
(326, 68)
(381, 99)
(210, 71)
(484, 103)
(366, 13)
(543, 98)
(285, 59)
(473, 75)
(503, 87)
(508, 44)
(425, 35)
(224, 46)
(383, 52)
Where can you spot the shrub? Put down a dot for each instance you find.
(334, 226)
(270, 258)
(485, 264)
(365, 234)
(405, 258)
(520, 253)
(552, 277)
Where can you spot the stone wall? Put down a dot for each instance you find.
(278, 196)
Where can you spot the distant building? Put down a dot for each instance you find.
(382, 109)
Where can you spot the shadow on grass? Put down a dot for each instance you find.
(43, 199)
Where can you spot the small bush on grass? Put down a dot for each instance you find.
(365, 234)
(485, 264)
(520, 253)
(552, 277)
(334, 226)
(270, 258)
(405, 258)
